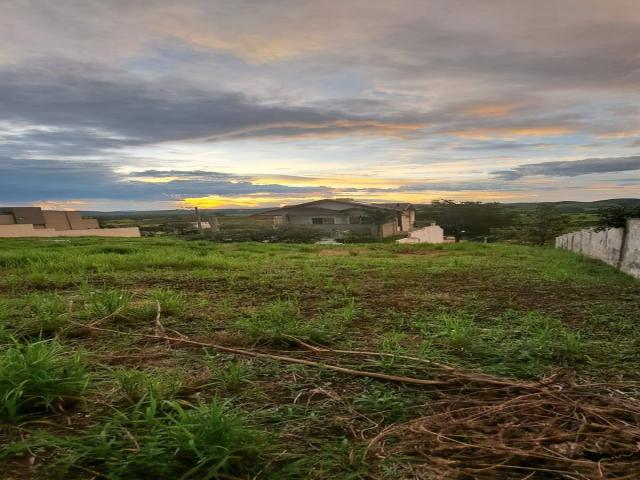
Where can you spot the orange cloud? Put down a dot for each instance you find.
(499, 132)
(330, 181)
(332, 129)
(490, 110)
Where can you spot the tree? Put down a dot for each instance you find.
(381, 216)
(542, 225)
(616, 216)
(472, 220)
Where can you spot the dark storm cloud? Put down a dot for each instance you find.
(571, 168)
(34, 180)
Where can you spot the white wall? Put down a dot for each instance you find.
(611, 246)
(631, 256)
(430, 234)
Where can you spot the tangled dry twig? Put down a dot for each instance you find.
(562, 431)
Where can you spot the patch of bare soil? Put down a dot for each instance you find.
(333, 252)
(421, 252)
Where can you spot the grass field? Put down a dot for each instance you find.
(84, 395)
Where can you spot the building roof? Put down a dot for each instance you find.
(386, 206)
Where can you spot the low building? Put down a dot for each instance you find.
(35, 222)
(339, 216)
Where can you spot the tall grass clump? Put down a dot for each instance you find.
(456, 330)
(162, 439)
(136, 385)
(104, 303)
(39, 376)
(171, 302)
(48, 315)
(281, 322)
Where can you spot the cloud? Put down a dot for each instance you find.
(571, 168)
(38, 180)
(94, 107)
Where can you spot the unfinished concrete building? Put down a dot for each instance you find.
(35, 222)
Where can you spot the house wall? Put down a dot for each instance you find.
(613, 246)
(408, 220)
(78, 223)
(57, 220)
(7, 219)
(26, 215)
(430, 234)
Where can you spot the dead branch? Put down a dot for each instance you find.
(282, 358)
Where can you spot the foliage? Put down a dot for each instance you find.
(469, 220)
(39, 376)
(542, 225)
(281, 234)
(616, 216)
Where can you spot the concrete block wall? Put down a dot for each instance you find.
(618, 247)
(27, 230)
(630, 262)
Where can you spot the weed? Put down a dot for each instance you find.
(171, 302)
(457, 330)
(103, 303)
(384, 401)
(280, 322)
(49, 314)
(164, 440)
(39, 376)
(136, 385)
(231, 375)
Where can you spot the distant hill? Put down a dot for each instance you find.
(581, 207)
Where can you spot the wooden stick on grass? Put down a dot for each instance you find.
(281, 358)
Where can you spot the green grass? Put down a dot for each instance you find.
(162, 439)
(163, 410)
(39, 377)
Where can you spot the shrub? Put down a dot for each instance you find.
(39, 376)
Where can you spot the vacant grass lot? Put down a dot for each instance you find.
(84, 395)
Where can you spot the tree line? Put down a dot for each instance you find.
(538, 225)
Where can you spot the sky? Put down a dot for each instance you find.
(156, 104)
